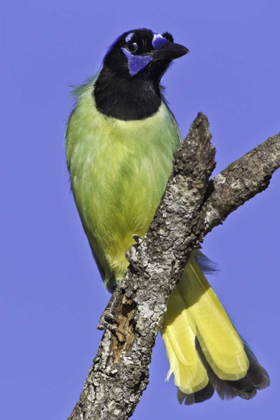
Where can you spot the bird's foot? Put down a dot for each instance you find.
(108, 319)
(106, 323)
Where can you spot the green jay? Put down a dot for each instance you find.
(120, 141)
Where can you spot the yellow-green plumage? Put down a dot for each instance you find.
(119, 171)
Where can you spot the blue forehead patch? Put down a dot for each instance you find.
(159, 41)
(129, 37)
(136, 62)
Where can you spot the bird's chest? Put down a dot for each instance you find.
(129, 168)
(119, 171)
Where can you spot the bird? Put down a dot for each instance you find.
(120, 140)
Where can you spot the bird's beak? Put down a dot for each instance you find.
(169, 51)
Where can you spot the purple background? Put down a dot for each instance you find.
(51, 294)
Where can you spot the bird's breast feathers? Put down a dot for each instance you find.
(119, 170)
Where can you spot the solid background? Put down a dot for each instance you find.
(51, 294)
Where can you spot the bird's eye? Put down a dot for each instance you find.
(132, 46)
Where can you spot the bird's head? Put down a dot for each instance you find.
(128, 85)
(141, 52)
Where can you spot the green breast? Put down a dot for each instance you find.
(118, 170)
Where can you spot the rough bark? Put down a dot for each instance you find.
(190, 208)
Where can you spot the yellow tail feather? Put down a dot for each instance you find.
(178, 333)
(195, 311)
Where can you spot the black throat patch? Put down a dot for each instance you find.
(132, 98)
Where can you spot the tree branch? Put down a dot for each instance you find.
(190, 208)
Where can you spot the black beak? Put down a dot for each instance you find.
(169, 51)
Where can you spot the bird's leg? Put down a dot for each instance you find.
(108, 317)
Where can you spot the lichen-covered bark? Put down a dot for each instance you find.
(191, 206)
(240, 181)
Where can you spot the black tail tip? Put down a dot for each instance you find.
(197, 397)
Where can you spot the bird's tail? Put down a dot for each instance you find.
(204, 350)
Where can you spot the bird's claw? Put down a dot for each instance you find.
(106, 323)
